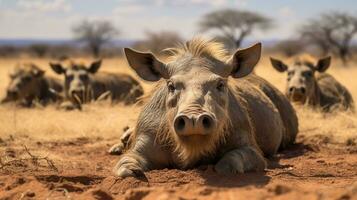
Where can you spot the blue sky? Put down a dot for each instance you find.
(53, 19)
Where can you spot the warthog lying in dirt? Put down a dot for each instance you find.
(203, 111)
(28, 85)
(305, 86)
(83, 84)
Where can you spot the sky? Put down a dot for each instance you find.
(54, 19)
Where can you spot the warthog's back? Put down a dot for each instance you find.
(273, 118)
(333, 94)
(122, 86)
(283, 105)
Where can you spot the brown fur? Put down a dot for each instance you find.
(120, 87)
(28, 84)
(249, 114)
(321, 90)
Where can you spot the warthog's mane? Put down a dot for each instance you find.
(304, 59)
(199, 47)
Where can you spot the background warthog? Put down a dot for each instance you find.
(204, 112)
(28, 84)
(305, 86)
(83, 84)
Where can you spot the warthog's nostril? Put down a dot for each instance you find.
(302, 90)
(206, 121)
(291, 89)
(180, 124)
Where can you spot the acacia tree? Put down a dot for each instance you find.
(332, 31)
(235, 25)
(95, 34)
(39, 50)
(290, 47)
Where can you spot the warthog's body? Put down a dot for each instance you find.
(320, 90)
(28, 84)
(83, 84)
(199, 115)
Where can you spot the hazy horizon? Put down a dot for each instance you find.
(48, 20)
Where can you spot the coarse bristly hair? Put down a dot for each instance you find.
(199, 47)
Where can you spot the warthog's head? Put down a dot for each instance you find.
(24, 81)
(196, 92)
(77, 79)
(301, 82)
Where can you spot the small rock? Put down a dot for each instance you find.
(30, 194)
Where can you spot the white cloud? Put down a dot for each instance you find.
(45, 6)
(128, 9)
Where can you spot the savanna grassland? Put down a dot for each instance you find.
(48, 153)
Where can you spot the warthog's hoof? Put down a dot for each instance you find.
(125, 172)
(117, 149)
(227, 168)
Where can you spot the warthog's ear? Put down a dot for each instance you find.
(323, 64)
(244, 60)
(93, 68)
(56, 67)
(146, 65)
(278, 65)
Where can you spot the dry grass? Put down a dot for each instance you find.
(108, 121)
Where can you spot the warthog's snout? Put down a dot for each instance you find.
(297, 93)
(202, 124)
(79, 93)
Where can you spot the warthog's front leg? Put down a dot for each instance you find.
(241, 160)
(145, 154)
(131, 165)
(124, 143)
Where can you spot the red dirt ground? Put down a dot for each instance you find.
(81, 169)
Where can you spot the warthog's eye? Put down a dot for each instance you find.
(70, 77)
(221, 85)
(308, 74)
(171, 87)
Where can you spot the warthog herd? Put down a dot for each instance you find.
(207, 106)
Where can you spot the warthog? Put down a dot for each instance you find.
(83, 84)
(28, 85)
(202, 111)
(308, 83)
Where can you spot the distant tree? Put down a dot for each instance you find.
(95, 34)
(290, 47)
(158, 41)
(9, 51)
(39, 50)
(333, 31)
(235, 25)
